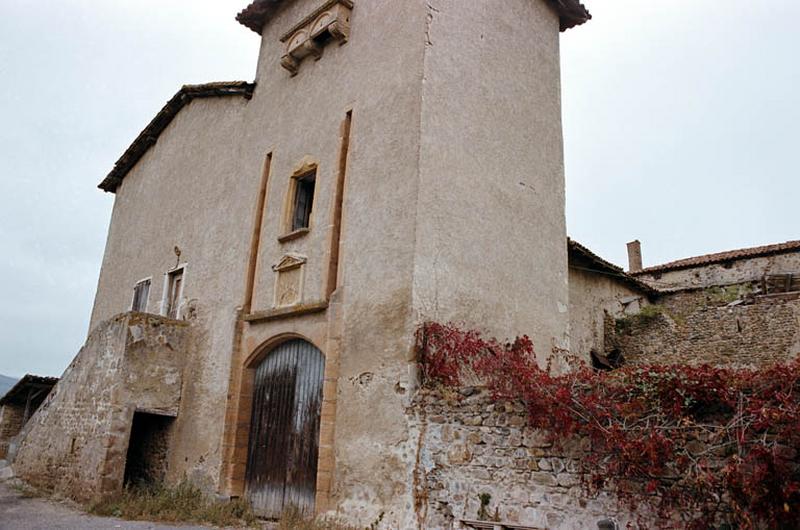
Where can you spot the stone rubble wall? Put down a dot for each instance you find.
(474, 446)
(725, 273)
(11, 417)
(76, 443)
(694, 327)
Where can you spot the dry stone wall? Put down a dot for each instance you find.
(472, 447)
(695, 327)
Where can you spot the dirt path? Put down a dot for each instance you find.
(18, 512)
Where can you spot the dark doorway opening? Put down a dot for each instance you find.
(147, 450)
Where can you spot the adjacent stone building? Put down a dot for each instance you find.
(275, 245)
(769, 269)
(734, 308)
(19, 404)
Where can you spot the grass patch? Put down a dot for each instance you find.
(293, 519)
(647, 315)
(182, 503)
(24, 490)
(727, 294)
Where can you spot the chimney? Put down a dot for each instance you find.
(634, 256)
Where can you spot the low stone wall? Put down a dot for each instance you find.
(694, 327)
(11, 417)
(77, 441)
(472, 447)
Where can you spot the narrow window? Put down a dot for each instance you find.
(141, 293)
(303, 200)
(174, 293)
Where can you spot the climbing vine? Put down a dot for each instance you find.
(701, 446)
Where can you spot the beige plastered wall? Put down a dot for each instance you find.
(188, 191)
(366, 332)
(490, 211)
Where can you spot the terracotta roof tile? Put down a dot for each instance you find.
(149, 136)
(720, 257)
(571, 13)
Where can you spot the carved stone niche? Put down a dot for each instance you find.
(289, 276)
(331, 21)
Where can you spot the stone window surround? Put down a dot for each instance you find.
(303, 169)
(163, 310)
(149, 280)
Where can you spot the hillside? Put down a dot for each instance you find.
(6, 383)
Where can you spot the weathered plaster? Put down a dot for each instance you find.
(729, 273)
(188, 191)
(592, 296)
(490, 227)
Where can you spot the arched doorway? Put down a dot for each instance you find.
(284, 429)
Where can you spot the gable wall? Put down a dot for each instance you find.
(189, 191)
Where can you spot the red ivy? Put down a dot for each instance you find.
(699, 444)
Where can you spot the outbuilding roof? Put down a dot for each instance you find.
(721, 257)
(571, 13)
(19, 392)
(582, 258)
(149, 136)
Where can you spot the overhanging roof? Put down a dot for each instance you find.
(19, 392)
(571, 13)
(149, 136)
(598, 265)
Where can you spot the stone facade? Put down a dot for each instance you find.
(472, 447)
(698, 327)
(76, 443)
(18, 405)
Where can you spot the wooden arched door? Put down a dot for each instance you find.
(284, 429)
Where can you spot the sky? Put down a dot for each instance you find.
(680, 129)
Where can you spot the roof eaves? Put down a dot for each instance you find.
(608, 268)
(149, 135)
(27, 380)
(721, 257)
(571, 13)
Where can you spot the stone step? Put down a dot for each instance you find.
(6, 473)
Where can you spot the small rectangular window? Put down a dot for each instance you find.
(303, 200)
(141, 292)
(174, 293)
